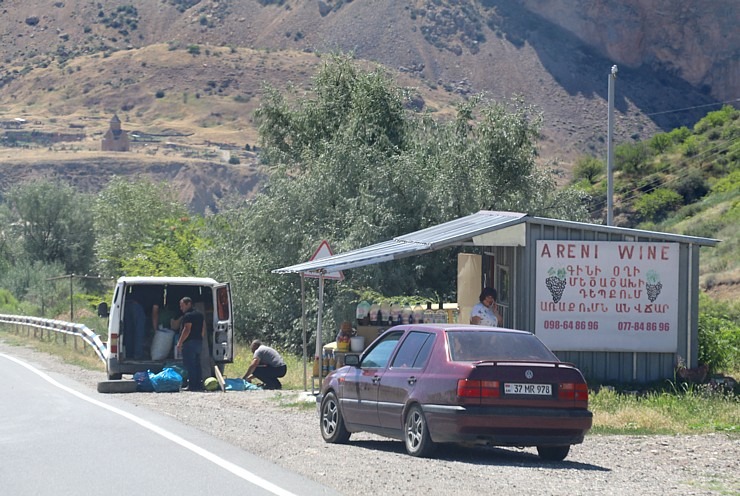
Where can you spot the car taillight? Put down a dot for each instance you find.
(113, 344)
(571, 391)
(467, 388)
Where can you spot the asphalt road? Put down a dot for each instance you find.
(57, 439)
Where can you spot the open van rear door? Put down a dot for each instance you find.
(223, 329)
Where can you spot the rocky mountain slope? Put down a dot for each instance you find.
(192, 69)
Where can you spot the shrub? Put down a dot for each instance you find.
(631, 158)
(588, 168)
(657, 205)
(680, 134)
(692, 186)
(719, 335)
(234, 160)
(194, 49)
(691, 146)
(660, 142)
(730, 182)
(159, 94)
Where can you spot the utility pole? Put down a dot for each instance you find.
(610, 151)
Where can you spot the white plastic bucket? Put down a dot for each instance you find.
(162, 343)
(357, 343)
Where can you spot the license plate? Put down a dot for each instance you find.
(534, 389)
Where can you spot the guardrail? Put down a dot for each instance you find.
(60, 326)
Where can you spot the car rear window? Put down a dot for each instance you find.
(474, 346)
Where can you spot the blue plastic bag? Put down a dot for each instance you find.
(167, 381)
(235, 384)
(143, 382)
(239, 385)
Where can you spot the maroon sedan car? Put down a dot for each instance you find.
(449, 383)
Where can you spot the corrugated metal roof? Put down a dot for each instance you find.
(456, 232)
(426, 240)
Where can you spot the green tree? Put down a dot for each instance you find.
(171, 253)
(349, 164)
(52, 223)
(131, 216)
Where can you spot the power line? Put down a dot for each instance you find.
(694, 107)
(632, 194)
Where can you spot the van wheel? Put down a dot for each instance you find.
(127, 386)
(115, 377)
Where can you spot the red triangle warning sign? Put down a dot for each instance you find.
(323, 251)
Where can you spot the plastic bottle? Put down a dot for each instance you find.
(418, 316)
(332, 362)
(325, 363)
(363, 313)
(396, 309)
(385, 313)
(407, 315)
(374, 314)
(429, 314)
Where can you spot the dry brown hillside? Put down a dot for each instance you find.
(186, 74)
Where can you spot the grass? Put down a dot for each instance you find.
(686, 409)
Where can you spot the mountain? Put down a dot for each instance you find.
(184, 76)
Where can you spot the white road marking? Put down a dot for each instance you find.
(213, 458)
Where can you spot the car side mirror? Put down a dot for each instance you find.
(103, 310)
(353, 360)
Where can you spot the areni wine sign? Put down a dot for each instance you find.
(607, 296)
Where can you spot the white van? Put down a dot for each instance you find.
(137, 343)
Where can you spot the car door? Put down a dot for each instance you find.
(399, 379)
(360, 389)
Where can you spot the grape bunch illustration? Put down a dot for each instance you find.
(653, 285)
(556, 283)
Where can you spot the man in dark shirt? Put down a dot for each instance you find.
(192, 333)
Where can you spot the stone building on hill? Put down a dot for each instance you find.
(115, 139)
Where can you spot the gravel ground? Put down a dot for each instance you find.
(269, 424)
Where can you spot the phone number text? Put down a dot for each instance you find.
(577, 325)
(644, 326)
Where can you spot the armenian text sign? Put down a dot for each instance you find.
(607, 296)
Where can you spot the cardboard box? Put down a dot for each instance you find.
(370, 333)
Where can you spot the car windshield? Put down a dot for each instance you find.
(474, 346)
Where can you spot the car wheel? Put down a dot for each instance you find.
(117, 386)
(416, 433)
(333, 429)
(553, 453)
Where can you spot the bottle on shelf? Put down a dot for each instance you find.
(418, 314)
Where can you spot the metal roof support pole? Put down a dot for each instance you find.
(690, 306)
(319, 325)
(303, 327)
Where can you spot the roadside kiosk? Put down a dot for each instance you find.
(621, 304)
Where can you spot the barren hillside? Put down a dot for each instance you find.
(190, 71)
